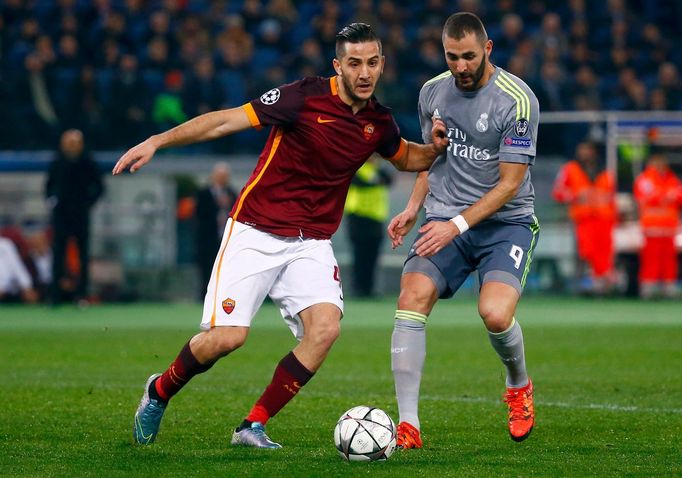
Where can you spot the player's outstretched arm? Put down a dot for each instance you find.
(403, 222)
(202, 128)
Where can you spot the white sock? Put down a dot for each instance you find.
(408, 352)
(509, 346)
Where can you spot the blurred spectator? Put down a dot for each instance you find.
(590, 193)
(202, 91)
(213, 205)
(585, 90)
(552, 34)
(126, 110)
(15, 281)
(366, 211)
(552, 87)
(670, 82)
(659, 196)
(34, 118)
(73, 186)
(168, 110)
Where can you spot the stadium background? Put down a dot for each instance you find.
(121, 70)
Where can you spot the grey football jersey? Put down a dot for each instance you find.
(497, 123)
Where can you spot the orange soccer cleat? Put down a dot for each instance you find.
(407, 436)
(521, 412)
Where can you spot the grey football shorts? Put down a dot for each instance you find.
(499, 250)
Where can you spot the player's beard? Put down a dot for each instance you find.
(476, 77)
(351, 92)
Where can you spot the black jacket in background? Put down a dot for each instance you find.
(73, 186)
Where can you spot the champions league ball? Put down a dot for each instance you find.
(365, 434)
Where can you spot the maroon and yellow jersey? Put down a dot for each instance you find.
(316, 145)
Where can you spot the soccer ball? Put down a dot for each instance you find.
(365, 434)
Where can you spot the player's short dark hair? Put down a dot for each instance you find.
(355, 33)
(459, 25)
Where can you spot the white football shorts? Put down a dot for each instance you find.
(251, 264)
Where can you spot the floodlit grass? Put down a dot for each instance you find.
(607, 374)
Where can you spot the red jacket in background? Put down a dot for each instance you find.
(659, 196)
(586, 198)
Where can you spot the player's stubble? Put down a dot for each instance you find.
(476, 77)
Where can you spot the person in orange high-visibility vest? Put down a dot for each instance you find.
(659, 196)
(590, 194)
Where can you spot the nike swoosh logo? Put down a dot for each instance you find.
(145, 438)
(320, 120)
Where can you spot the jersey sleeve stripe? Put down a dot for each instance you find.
(445, 74)
(514, 86)
(401, 150)
(253, 117)
(514, 90)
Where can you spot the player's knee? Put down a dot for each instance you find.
(415, 299)
(496, 319)
(228, 339)
(325, 332)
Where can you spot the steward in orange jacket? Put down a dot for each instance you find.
(590, 195)
(659, 196)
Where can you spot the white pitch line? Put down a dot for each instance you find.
(584, 406)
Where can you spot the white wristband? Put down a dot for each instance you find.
(461, 223)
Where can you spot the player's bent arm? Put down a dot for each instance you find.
(511, 178)
(419, 192)
(417, 157)
(202, 128)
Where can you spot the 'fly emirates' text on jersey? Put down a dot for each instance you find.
(316, 145)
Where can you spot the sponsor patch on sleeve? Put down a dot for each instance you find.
(515, 142)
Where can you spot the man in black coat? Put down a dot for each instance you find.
(214, 203)
(73, 186)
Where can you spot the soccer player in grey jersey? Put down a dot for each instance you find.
(479, 209)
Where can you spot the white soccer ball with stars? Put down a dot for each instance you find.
(365, 434)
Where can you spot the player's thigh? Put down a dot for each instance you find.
(245, 269)
(311, 276)
(447, 269)
(505, 251)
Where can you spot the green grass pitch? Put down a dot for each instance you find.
(608, 378)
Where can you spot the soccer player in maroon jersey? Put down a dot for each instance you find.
(277, 241)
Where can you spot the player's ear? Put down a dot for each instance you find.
(489, 47)
(383, 63)
(337, 66)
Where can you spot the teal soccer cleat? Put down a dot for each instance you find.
(148, 416)
(254, 437)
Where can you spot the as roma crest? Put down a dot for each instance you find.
(228, 305)
(368, 131)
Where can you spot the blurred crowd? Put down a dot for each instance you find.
(122, 69)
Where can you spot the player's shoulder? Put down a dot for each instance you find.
(512, 94)
(507, 84)
(431, 86)
(312, 85)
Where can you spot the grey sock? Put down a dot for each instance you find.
(509, 346)
(408, 351)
